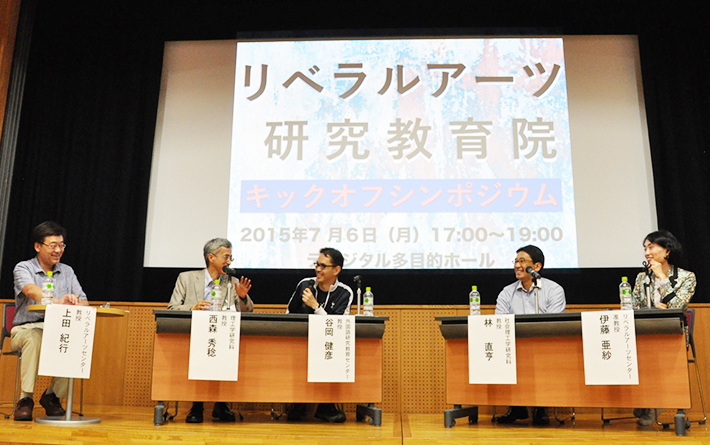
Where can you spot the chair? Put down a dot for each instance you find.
(8, 315)
(690, 346)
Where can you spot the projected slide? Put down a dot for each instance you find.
(403, 154)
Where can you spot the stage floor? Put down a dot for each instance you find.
(121, 425)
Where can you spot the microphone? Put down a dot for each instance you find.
(357, 279)
(532, 272)
(647, 269)
(231, 272)
(311, 284)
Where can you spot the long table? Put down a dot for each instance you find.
(273, 365)
(550, 366)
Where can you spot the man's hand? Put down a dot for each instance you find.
(308, 299)
(201, 306)
(68, 299)
(242, 287)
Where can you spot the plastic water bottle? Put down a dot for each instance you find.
(48, 288)
(216, 296)
(474, 301)
(625, 294)
(368, 302)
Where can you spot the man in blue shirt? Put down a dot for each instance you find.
(519, 298)
(28, 327)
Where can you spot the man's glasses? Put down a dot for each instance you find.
(225, 257)
(521, 262)
(55, 246)
(322, 266)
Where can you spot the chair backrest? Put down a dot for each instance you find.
(8, 316)
(690, 321)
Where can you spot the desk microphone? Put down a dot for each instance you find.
(231, 272)
(647, 269)
(532, 272)
(311, 286)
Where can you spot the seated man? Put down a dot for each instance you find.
(49, 244)
(328, 296)
(193, 291)
(519, 298)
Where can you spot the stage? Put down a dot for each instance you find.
(135, 425)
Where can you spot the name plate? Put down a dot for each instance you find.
(609, 344)
(214, 345)
(331, 348)
(491, 349)
(67, 341)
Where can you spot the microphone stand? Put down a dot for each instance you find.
(222, 299)
(359, 296)
(647, 284)
(358, 280)
(535, 277)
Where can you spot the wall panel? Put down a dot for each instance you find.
(413, 359)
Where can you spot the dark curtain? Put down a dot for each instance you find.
(675, 64)
(85, 144)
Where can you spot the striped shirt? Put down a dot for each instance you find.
(30, 272)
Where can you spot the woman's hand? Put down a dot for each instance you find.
(657, 269)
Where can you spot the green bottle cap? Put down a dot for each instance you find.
(474, 287)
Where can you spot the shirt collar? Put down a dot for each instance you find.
(209, 280)
(38, 269)
(520, 286)
(332, 286)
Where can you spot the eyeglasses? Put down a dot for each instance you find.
(521, 261)
(322, 266)
(225, 257)
(55, 246)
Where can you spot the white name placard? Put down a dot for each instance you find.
(214, 345)
(67, 341)
(491, 349)
(609, 343)
(331, 348)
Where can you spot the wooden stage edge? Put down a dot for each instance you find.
(134, 424)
